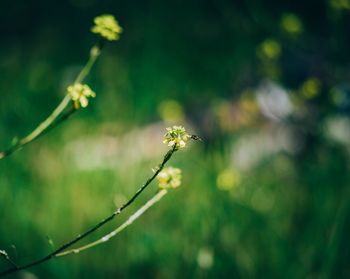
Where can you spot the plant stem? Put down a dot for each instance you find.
(4, 254)
(43, 126)
(156, 198)
(47, 122)
(166, 158)
(94, 54)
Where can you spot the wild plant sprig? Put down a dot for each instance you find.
(68, 244)
(168, 178)
(109, 218)
(57, 116)
(156, 198)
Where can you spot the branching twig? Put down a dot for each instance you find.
(157, 197)
(50, 256)
(52, 120)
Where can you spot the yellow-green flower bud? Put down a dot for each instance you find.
(176, 136)
(169, 178)
(80, 94)
(107, 26)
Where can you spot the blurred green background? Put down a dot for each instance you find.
(264, 83)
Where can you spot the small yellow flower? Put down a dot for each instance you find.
(80, 94)
(176, 136)
(107, 26)
(169, 178)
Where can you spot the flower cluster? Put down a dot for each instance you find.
(169, 178)
(176, 136)
(107, 27)
(80, 94)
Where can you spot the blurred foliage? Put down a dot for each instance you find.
(264, 83)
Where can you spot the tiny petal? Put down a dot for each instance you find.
(84, 101)
(182, 143)
(171, 143)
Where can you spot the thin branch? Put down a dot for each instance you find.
(94, 54)
(4, 254)
(166, 158)
(60, 120)
(156, 198)
(54, 116)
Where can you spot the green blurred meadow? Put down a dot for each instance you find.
(266, 84)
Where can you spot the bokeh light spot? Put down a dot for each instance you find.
(248, 102)
(340, 4)
(311, 88)
(228, 179)
(205, 258)
(171, 111)
(270, 49)
(291, 24)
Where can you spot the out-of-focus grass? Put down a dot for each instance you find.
(265, 195)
